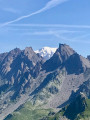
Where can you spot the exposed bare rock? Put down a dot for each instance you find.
(76, 64)
(5, 66)
(60, 56)
(88, 57)
(2, 56)
(68, 58)
(50, 82)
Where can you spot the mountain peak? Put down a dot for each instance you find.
(14, 51)
(62, 45)
(65, 50)
(28, 49)
(17, 49)
(59, 57)
(31, 55)
(46, 52)
(66, 57)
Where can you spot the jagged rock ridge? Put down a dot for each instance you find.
(27, 73)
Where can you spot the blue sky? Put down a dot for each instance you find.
(40, 23)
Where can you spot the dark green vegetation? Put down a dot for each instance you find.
(80, 107)
(77, 110)
(86, 114)
(28, 112)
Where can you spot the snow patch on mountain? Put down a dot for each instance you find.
(46, 52)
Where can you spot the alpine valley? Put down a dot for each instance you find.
(48, 84)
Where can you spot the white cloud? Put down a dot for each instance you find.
(53, 3)
(49, 5)
(73, 39)
(51, 32)
(11, 10)
(51, 25)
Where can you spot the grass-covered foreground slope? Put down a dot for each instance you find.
(86, 114)
(29, 112)
(77, 110)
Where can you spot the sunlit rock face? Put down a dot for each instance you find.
(46, 52)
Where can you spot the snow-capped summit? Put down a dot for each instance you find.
(46, 52)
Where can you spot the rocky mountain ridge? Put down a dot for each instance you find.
(48, 82)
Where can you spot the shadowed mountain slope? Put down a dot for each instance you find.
(66, 57)
(50, 83)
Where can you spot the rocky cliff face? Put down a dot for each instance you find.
(66, 57)
(51, 82)
(65, 73)
(59, 57)
(16, 67)
(88, 57)
(7, 60)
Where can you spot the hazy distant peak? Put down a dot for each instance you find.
(16, 50)
(46, 52)
(27, 49)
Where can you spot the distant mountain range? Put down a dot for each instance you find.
(49, 77)
(46, 52)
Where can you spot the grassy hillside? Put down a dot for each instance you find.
(29, 112)
(66, 112)
(32, 112)
(86, 114)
